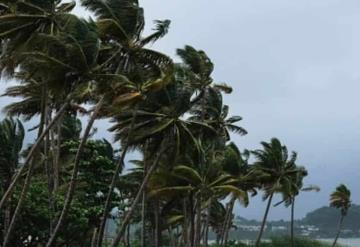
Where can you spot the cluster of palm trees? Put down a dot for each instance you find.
(190, 175)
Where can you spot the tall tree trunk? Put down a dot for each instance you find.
(143, 213)
(118, 167)
(128, 235)
(71, 189)
(143, 220)
(292, 222)
(129, 214)
(257, 243)
(7, 210)
(198, 222)
(31, 154)
(229, 221)
(172, 240)
(225, 223)
(93, 238)
(192, 221)
(338, 230)
(157, 224)
(143, 205)
(57, 151)
(185, 225)
(223, 227)
(29, 160)
(49, 169)
(207, 224)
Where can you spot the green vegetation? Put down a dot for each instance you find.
(62, 189)
(284, 242)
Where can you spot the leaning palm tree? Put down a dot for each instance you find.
(340, 199)
(160, 124)
(308, 188)
(69, 57)
(275, 171)
(120, 25)
(235, 163)
(289, 195)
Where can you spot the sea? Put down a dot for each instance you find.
(346, 242)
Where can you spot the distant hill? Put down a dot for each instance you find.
(327, 218)
(320, 223)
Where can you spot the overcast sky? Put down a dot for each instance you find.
(294, 67)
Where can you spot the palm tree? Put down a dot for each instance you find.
(340, 199)
(72, 45)
(120, 25)
(159, 118)
(290, 194)
(275, 171)
(236, 164)
(206, 190)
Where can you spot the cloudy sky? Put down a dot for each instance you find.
(294, 67)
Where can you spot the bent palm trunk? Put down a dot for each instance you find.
(225, 224)
(198, 222)
(207, 224)
(264, 221)
(229, 221)
(339, 230)
(129, 214)
(292, 222)
(108, 198)
(71, 190)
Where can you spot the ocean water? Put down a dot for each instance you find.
(348, 242)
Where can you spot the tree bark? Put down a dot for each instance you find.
(223, 228)
(57, 154)
(93, 238)
(128, 236)
(71, 190)
(143, 215)
(257, 243)
(192, 221)
(49, 169)
(292, 222)
(198, 222)
(229, 221)
(339, 230)
(157, 224)
(185, 224)
(207, 224)
(129, 214)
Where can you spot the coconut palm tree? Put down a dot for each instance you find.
(160, 117)
(236, 164)
(290, 194)
(186, 179)
(120, 25)
(275, 171)
(73, 60)
(340, 199)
